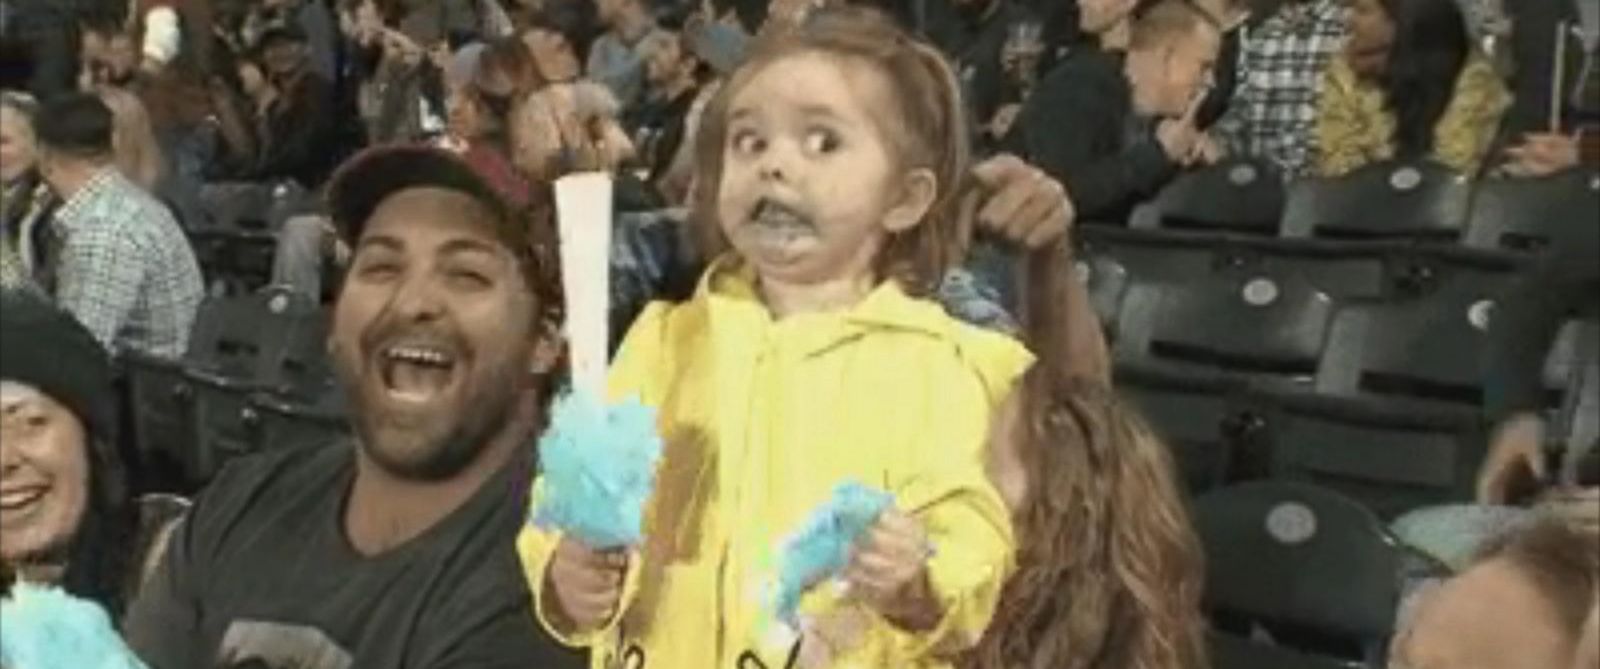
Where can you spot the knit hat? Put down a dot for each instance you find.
(46, 348)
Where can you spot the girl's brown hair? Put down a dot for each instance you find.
(926, 124)
(1109, 568)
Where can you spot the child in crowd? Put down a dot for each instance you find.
(832, 164)
(1109, 570)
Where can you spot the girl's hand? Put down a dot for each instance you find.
(587, 584)
(888, 571)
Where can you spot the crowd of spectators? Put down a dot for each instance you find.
(370, 137)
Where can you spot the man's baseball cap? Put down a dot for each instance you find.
(366, 180)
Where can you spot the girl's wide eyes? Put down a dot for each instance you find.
(822, 140)
(745, 141)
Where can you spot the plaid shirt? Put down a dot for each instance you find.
(1281, 63)
(125, 269)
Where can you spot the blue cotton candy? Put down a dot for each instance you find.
(822, 545)
(43, 627)
(598, 466)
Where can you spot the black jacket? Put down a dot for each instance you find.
(1533, 51)
(1563, 284)
(1080, 127)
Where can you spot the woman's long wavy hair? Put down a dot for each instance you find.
(1109, 568)
(1430, 47)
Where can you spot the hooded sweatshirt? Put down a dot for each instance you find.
(761, 419)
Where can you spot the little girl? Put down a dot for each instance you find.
(830, 163)
(1109, 571)
(1108, 568)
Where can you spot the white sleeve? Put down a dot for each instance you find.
(162, 36)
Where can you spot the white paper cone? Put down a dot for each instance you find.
(583, 215)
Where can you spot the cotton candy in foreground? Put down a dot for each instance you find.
(43, 627)
(597, 464)
(820, 548)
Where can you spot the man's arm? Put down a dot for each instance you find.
(1060, 125)
(1525, 324)
(98, 279)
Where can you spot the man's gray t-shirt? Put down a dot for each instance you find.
(261, 575)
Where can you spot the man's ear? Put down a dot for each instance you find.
(918, 190)
(547, 350)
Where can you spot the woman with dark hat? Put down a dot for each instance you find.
(66, 515)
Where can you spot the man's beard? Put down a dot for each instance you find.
(488, 407)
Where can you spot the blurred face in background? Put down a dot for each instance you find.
(18, 150)
(44, 474)
(1188, 63)
(110, 59)
(1371, 35)
(465, 116)
(553, 54)
(664, 60)
(283, 57)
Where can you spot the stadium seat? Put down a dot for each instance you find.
(1237, 195)
(160, 406)
(1385, 200)
(1427, 339)
(1394, 418)
(1342, 269)
(1532, 214)
(1206, 422)
(1187, 353)
(162, 393)
(1236, 320)
(1147, 256)
(1286, 556)
(234, 261)
(275, 343)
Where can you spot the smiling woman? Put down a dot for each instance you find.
(66, 517)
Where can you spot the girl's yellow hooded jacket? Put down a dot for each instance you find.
(762, 419)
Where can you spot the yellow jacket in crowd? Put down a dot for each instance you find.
(1354, 129)
(761, 420)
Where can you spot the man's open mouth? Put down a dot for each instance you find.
(416, 372)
